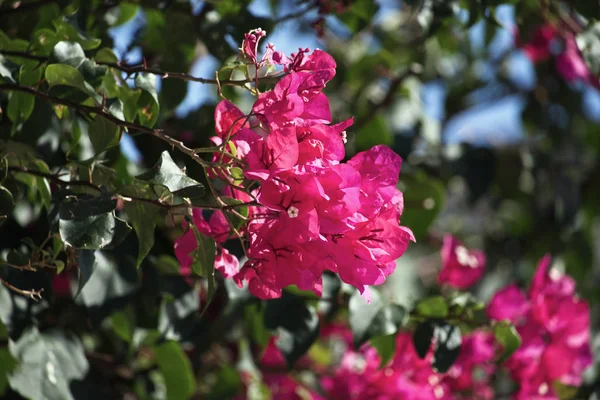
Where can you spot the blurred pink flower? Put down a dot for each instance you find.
(461, 267)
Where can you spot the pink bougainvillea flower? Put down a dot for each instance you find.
(218, 229)
(314, 213)
(409, 377)
(550, 41)
(461, 267)
(554, 326)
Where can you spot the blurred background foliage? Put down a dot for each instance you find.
(497, 150)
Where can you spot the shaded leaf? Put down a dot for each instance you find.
(103, 134)
(90, 223)
(296, 324)
(448, 341)
(422, 337)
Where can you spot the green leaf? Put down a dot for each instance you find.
(66, 75)
(422, 338)
(126, 12)
(122, 324)
(423, 200)
(142, 217)
(433, 307)
(90, 223)
(374, 319)
(204, 260)
(21, 104)
(106, 55)
(103, 134)
(20, 107)
(66, 31)
(448, 341)
(296, 324)
(565, 392)
(148, 105)
(51, 360)
(166, 173)
(375, 132)
(506, 334)
(228, 385)
(386, 348)
(176, 370)
(7, 365)
(255, 324)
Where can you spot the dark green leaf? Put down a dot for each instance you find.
(143, 219)
(448, 341)
(86, 261)
(433, 307)
(362, 315)
(166, 173)
(373, 320)
(422, 338)
(52, 360)
(7, 365)
(90, 223)
(507, 335)
(296, 324)
(204, 259)
(176, 369)
(103, 134)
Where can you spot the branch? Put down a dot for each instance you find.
(55, 179)
(142, 68)
(100, 111)
(20, 6)
(35, 295)
(414, 69)
(296, 14)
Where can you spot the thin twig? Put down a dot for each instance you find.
(143, 69)
(99, 111)
(54, 178)
(35, 295)
(19, 6)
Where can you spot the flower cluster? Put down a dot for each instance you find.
(359, 374)
(461, 268)
(549, 40)
(554, 326)
(409, 377)
(316, 213)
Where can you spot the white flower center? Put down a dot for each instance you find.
(344, 137)
(293, 212)
(543, 389)
(464, 258)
